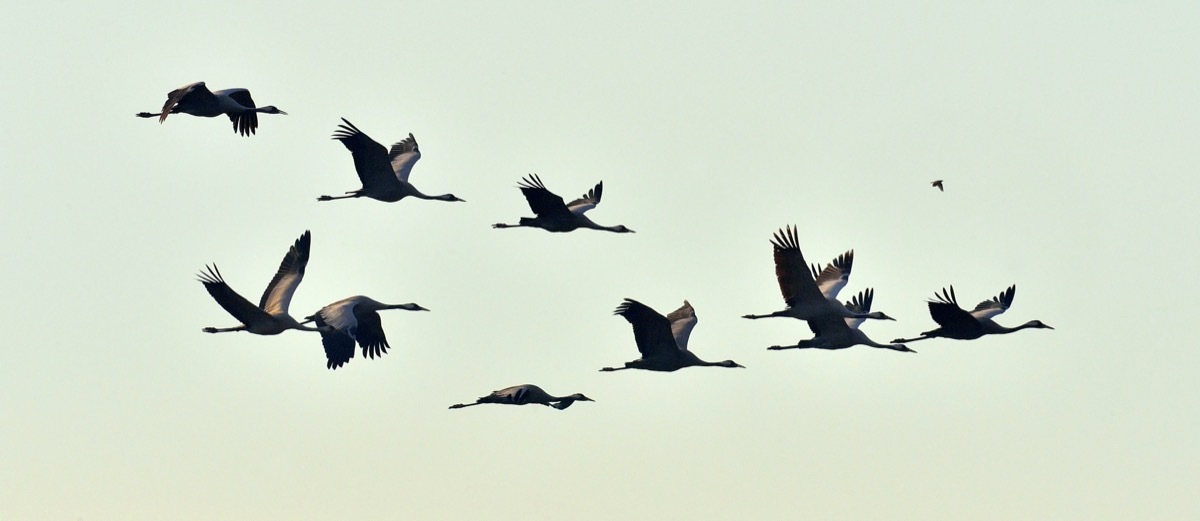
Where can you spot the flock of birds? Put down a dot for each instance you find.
(809, 293)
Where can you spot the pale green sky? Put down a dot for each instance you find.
(1066, 134)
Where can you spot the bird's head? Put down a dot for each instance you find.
(879, 315)
(566, 402)
(902, 348)
(730, 363)
(1038, 324)
(620, 228)
(271, 109)
(410, 307)
(450, 197)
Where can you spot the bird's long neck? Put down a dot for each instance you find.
(997, 329)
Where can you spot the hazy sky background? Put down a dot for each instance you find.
(1066, 133)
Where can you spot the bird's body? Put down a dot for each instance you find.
(271, 316)
(938, 184)
(959, 324)
(196, 100)
(662, 340)
(832, 332)
(805, 299)
(554, 215)
(350, 320)
(524, 395)
(384, 173)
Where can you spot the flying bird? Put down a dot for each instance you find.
(662, 340)
(958, 324)
(270, 317)
(197, 100)
(350, 320)
(552, 214)
(384, 173)
(526, 394)
(832, 332)
(804, 298)
(938, 184)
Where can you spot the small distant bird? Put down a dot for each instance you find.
(662, 340)
(197, 100)
(804, 298)
(958, 324)
(350, 320)
(525, 394)
(270, 317)
(556, 216)
(938, 184)
(840, 333)
(384, 173)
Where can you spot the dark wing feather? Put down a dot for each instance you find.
(651, 330)
(588, 200)
(371, 159)
(244, 123)
(946, 312)
(370, 333)
(792, 271)
(339, 347)
(229, 299)
(196, 94)
(542, 201)
(293, 264)
(1003, 301)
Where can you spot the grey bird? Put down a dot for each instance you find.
(270, 316)
(350, 320)
(959, 324)
(804, 298)
(195, 99)
(384, 173)
(552, 214)
(526, 394)
(833, 332)
(662, 340)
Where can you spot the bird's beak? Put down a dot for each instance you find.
(419, 308)
(284, 113)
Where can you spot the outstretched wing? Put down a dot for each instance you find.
(996, 305)
(403, 156)
(196, 93)
(542, 201)
(587, 201)
(860, 303)
(836, 274)
(371, 159)
(244, 123)
(795, 281)
(682, 321)
(946, 312)
(339, 347)
(369, 333)
(651, 330)
(229, 299)
(278, 295)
